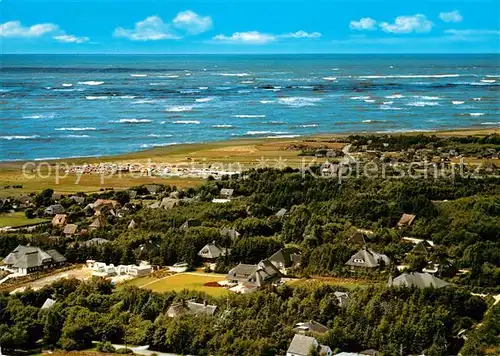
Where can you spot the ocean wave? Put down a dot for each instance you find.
(375, 121)
(248, 116)
(233, 74)
(133, 121)
(145, 101)
(66, 84)
(273, 122)
(244, 91)
(388, 102)
(427, 97)
(139, 75)
(189, 91)
(127, 96)
(222, 126)
(223, 88)
(75, 129)
(299, 101)
(423, 103)
(180, 108)
(41, 116)
(267, 101)
(203, 88)
(283, 136)
(90, 82)
(369, 100)
(476, 99)
(147, 145)
(256, 133)
(204, 100)
(395, 96)
(409, 76)
(360, 97)
(77, 136)
(457, 102)
(308, 125)
(9, 138)
(103, 97)
(488, 80)
(476, 113)
(186, 122)
(156, 135)
(330, 79)
(168, 76)
(247, 82)
(490, 123)
(66, 90)
(388, 107)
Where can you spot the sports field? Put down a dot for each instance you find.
(180, 281)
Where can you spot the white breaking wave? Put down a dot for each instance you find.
(156, 135)
(267, 101)
(388, 102)
(426, 97)
(41, 116)
(146, 145)
(476, 113)
(66, 84)
(247, 82)
(360, 98)
(9, 138)
(139, 75)
(204, 100)
(234, 74)
(253, 133)
(145, 101)
(369, 100)
(331, 79)
(77, 136)
(97, 97)
(388, 107)
(488, 80)
(90, 82)
(76, 129)
(308, 125)
(133, 121)
(423, 103)
(187, 122)
(490, 123)
(180, 108)
(222, 126)
(168, 76)
(395, 96)
(249, 116)
(299, 101)
(127, 97)
(476, 99)
(409, 76)
(203, 88)
(283, 136)
(457, 102)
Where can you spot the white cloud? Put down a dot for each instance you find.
(70, 39)
(151, 29)
(408, 24)
(364, 23)
(452, 16)
(15, 29)
(250, 37)
(301, 34)
(192, 22)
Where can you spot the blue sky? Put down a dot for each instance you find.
(204, 26)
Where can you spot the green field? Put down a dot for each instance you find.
(179, 282)
(348, 283)
(18, 219)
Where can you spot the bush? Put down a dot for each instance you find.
(29, 213)
(105, 347)
(124, 351)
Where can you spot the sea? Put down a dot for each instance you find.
(58, 106)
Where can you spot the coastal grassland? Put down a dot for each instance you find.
(246, 152)
(16, 219)
(179, 282)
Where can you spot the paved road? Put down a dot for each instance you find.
(143, 350)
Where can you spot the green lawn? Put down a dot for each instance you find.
(179, 282)
(18, 219)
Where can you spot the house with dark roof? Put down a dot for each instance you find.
(169, 203)
(190, 308)
(54, 209)
(342, 298)
(422, 248)
(286, 258)
(77, 199)
(302, 345)
(367, 258)
(406, 220)
(101, 204)
(70, 230)
(212, 251)
(153, 188)
(146, 248)
(99, 221)
(248, 278)
(28, 259)
(310, 326)
(441, 268)
(417, 279)
(59, 220)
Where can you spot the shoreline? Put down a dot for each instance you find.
(171, 149)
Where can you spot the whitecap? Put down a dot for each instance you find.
(187, 122)
(409, 76)
(360, 97)
(222, 126)
(41, 116)
(299, 101)
(476, 99)
(490, 123)
(423, 103)
(77, 136)
(189, 91)
(283, 136)
(66, 84)
(388, 102)
(388, 107)
(426, 97)
(369, 100)
(249, 116)
(139, 75)
(147, 145)
(203, 88)
(488, 80)
(90, 82)
(133, 121)
(103, 97)
(267, 101)
(168, 76)
(127, 97)
(204, 100)
(308, 125)
(9, 138)
(395, 96)
(233, 74)
(156, 135)
(145, 101)
(75, 129)
(247, 82)
(331, 79)
(180, 108)
(457, 102)
(476, 114)
(244, 91)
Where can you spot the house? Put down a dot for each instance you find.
(310, 326)
(416, 279)
(49, 303)
(54, 209)
(98, 222)
(422, 248)
(59, 220)
(302, 345)
(101, 269)
(358, 238)
(25, 201)
(77, 199)
(212, 251)
(285, 258)
(94, 242)
(146, 248)
(226, 193)
(100, 204)
(406, 220)
(342, 298)
(179, 267)
(190, 308)
(191, 223)
(367, 258)
(248, 278)
(28, 259)
(231, 233)
(442, 268)
(70, 230)
(169, 203)
(281, 213)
